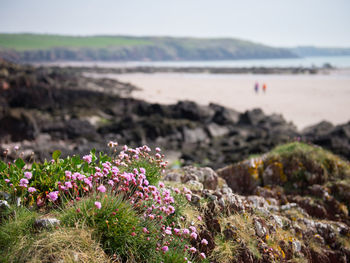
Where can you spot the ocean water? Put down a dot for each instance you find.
(335, 61)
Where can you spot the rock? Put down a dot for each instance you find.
(4, 195)
(236, 203)
(194, 135)
(224, 116)
(260, 230)
(205, 175)
(273, 174)
(195, 185)
(288, 206)
(278, 220)
(319, 129)
(242, 177)
(46, 222)
(296, 246)
(215, 130)
(251, 117)
(18, 126)
(192, 111)
(4, 205)
(173, 176)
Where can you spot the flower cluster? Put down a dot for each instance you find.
(125, 176)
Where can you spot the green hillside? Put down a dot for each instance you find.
(22, 42)
(39, 47)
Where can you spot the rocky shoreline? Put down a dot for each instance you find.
(45, 109)
(204, 70)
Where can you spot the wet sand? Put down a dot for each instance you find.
(302, 99)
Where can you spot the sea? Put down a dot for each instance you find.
(334, 61)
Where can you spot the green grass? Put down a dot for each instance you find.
(13, 230)
(21, 42)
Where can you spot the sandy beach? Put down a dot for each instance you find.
(302, 99)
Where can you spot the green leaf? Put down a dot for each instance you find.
(20, 163)
(3, 166)
(56, 154)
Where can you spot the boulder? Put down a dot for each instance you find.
(242, 177)
(205, 175)
(46, 222)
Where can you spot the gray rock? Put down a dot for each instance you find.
(205, 175)
(215, 130)
(4, 205)
(174, 177)
(289, 206)
(259, 229)
(296, 246)
(194, 135)
(226, 190)
(4, 195)
(278, 220)
(195, 185)
(46, 222)
(236, 203)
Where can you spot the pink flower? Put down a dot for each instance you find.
(158, 149)
(88, 182)
(194, 235)
(133, 234)
(171, 209)
(98, 205)
(23, 182)
(28, 175)
(145, 230)
(31, 189)
(192, 228)
(7, 180)
(199, 218)
(165, 248)
(53, 195)
(202, 256)
(204, 242)
(68, 185)
(101, 188)
(68, 174)
(161, 185)
(176, 190)
(79, 176)
(188, 197)
(193, 249)
(87, 158)
(168, 232)
(185, 231)
(176, 231)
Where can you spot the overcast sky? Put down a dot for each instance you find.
(272, 22)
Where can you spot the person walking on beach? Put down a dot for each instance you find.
(256, 87)
(264, 87)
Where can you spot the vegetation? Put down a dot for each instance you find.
(113, 208)
(34, 47)
(114, 198)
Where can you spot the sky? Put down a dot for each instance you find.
(282, 23)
